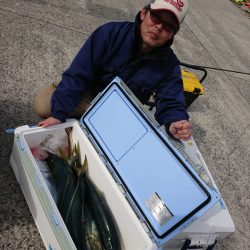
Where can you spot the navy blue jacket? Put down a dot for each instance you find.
(112, 50)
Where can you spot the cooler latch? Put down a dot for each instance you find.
(20, 143)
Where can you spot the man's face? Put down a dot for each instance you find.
(155, 28)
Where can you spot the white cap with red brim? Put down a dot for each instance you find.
(178, 7)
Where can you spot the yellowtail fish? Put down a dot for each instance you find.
(104, 219)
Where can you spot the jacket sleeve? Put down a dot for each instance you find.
(78, 77)
(170, 102)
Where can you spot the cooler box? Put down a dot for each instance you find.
(158, 199)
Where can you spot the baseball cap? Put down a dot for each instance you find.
(178, 7)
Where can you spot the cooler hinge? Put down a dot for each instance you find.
(143, 222)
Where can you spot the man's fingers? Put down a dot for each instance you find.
(181, 130)
(185, 138)
(185, 134)
(181, 125)
(177, 125)
(40, 124)
(43, 124)
(186, 125)
(49, 122)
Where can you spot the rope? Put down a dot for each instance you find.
(227, 70)
(213, 68)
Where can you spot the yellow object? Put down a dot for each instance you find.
(239, 1)
(191, 83)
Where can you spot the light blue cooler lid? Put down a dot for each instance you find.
(165, 190)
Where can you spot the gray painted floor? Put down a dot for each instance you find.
(39, 38)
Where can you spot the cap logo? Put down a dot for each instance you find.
(178, 4)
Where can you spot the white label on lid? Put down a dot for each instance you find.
(158, 209)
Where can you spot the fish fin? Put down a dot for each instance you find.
(77, 170)
(68, 131)
(62, 154)
(85, 165)
(78, 152)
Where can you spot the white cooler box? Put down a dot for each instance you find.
(158, 199)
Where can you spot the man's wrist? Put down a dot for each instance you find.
(167, 126)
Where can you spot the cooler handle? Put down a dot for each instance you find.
(187, 243)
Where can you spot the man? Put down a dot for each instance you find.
(139, 53)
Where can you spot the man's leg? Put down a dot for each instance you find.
(42, 101)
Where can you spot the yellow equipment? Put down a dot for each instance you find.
(192, 86)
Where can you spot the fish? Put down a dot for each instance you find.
(75, 159)
(103, 216)
(75, 213)
(82, 206)
(65, 181)
(71, 195)
(92, 235)
(89, 228)
(69, 139)
(74, 155)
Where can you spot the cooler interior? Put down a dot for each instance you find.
(131, 232)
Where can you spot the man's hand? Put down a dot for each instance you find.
(180, 130)
(49, 122)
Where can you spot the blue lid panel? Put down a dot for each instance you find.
(121, 129)
(165, 190)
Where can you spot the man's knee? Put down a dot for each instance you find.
(42, 101)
